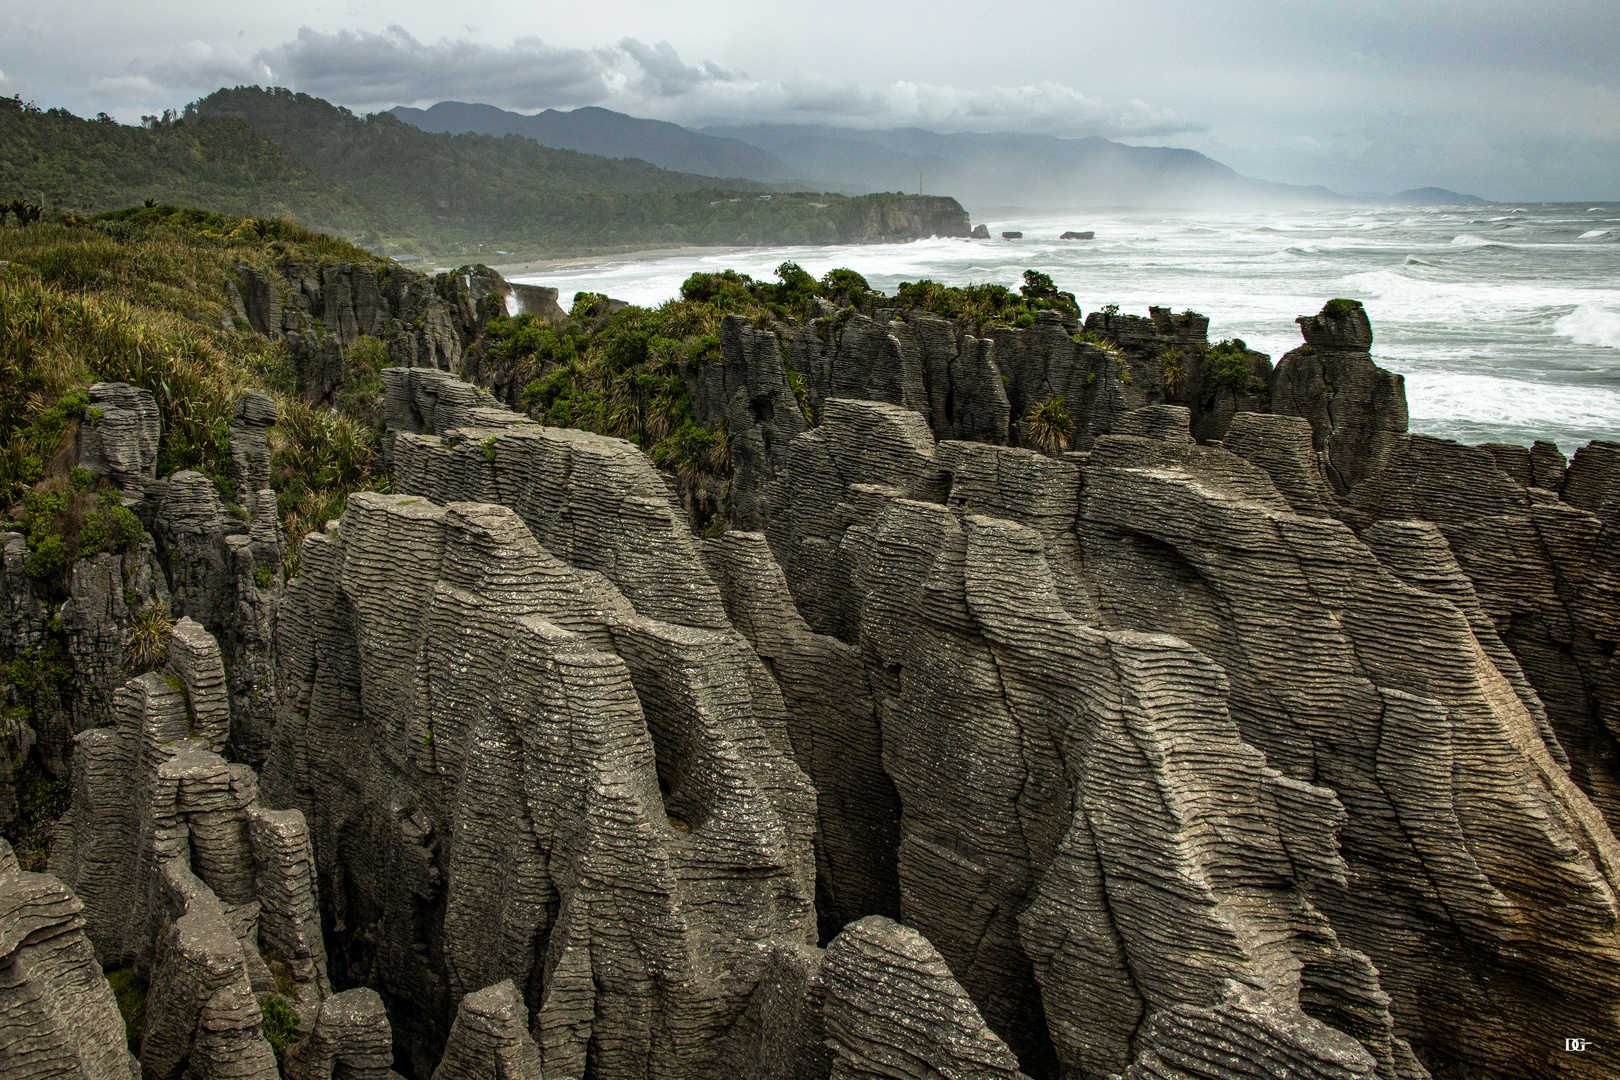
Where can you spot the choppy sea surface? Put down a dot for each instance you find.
(1505, 320)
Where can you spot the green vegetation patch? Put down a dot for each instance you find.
(1175, 370)
(1341, 308)
(1229, 368)
(280, 1022)
(1048, 424)
(988, 305)
(129, 990)
(94, 165)
(137, 296)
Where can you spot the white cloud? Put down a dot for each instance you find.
(366, 70)
(126, 88)
(198, 65)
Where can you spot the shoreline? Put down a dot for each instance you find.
(586, 262)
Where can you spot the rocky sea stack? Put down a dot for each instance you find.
(1076, 698)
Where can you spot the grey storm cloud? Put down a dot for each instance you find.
(664, 71)
(362, 68)
(372, 70)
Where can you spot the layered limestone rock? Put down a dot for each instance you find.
(225, 563)
(1167, 536)
(202, 1018)
(64, 654)
(162, 828)
(57, 1013)
(349, 1040)
(1545, 568)
(1286, 752)
(833, 726)
(519, 769)
(119, 436)
(490, 1038)
(893, 1010)
(426, 401)
(227, 576)
(320, 310)
(782, 1034)
(1430, 748)
(906, 217)
(1356, 409)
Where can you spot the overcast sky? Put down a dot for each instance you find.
(1509, 99)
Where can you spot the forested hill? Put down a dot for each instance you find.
(398, 190)
(381, 151)
(477, 193)
(88, 166)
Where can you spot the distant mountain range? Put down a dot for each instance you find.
(981, 170)
(610, 134)
(1431, 196)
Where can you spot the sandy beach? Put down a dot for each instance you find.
(585, 262)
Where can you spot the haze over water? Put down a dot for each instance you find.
(1504, 320)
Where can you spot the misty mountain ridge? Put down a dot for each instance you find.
(594, 130)
(980, 169)
(1434, 196)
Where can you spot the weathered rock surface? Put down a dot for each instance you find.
(548, 782)
(154, 804)
(893, 1010)
(782, 1034)
(119, 439)
(57, 1013)
(1544, 570)
(1356, 409)
(349, 1040)
(490, 1038)
(832, 723)
(202, 1018)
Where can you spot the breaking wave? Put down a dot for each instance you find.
(1590, 325)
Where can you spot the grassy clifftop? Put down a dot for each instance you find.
(137, 297)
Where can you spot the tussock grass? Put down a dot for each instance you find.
(138, 296)
(1047, 426)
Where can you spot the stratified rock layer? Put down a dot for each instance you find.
(57, 1014)
(545, 784)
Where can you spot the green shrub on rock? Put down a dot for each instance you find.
(48, 560)
(110, 527)
(280, 1022)
(1048, 425)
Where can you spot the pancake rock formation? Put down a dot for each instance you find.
(1233, 732)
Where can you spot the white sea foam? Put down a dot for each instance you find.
(1590, 233)
(1468, 240)
(1450, 396)
(1407, 297)
(1590, 325)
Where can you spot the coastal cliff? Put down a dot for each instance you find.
(1044, 696)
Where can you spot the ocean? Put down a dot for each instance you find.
(1505, 320)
